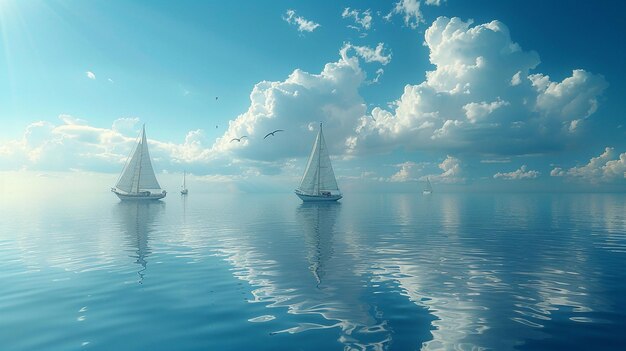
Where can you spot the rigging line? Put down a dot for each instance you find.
(132, 151)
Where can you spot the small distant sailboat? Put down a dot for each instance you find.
(318, 182)
(138, 181)
(428, 189)
(183, 188)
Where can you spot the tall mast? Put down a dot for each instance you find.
(319, 159)
(143, 141)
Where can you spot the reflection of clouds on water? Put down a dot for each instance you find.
(191, 240)
(309, 275)
(75, 237)
(403, 210)
(483, 272)
(449, 211)
(483, 267)
(456, 315)
(436, 275)
(561, 279)
(548, 291)
(392, 272)
(608, 221)
(136, 221)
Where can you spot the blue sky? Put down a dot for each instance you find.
(520, 95)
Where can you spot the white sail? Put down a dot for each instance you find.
(138, 174)
(319, 175)
(183, 187)
(428, 188)
(126, 180)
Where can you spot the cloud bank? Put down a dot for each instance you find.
(74, 144)
(451, 172)
(521, 173)
(606, 167)
(297, 105)
(482, 98)
(469, 103)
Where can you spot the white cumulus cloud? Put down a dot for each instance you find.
(72, 143)
(69, 144)
(469, 104)
(475, 111)
(297, 105)
(302, 23)
(574, 98)
(481, 97)
(521, 173)
(409, 171)
(603, 168)
(451, 172)
(451, 167)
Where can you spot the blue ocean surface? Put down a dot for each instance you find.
(267, 272)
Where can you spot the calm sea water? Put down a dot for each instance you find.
(266, 272)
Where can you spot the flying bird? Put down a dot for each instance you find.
(216, 97)
(272, 133)
(238, 139)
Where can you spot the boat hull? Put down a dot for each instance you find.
(318, 198)
(139, 197)
(426, 192)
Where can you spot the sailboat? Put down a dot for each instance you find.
(318, 182)
(183, 188)
(428, 189)
(138, 181)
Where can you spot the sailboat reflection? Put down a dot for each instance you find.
(314, 274)
(319, 220)
(136, 220)
(328, 264)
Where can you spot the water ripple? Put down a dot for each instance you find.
(392, 272)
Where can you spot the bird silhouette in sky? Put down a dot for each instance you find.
(272, 133)
(238, 139)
